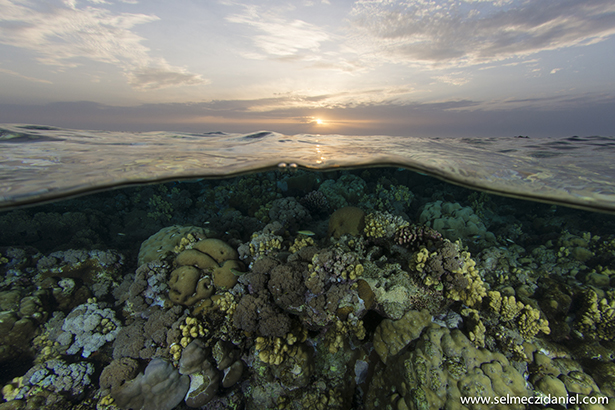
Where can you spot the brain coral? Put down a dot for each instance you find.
(210, 264)
(439, 370)
(165, 240)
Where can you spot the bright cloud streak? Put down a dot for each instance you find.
(280, 37)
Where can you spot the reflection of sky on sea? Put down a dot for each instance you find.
(40, 164)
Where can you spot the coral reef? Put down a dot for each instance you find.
(348, 220)
(209, 265)
(345, 191)
(57, 376)
(163, 242)
(87, 328)
(596, 319)
(160, 387)
(364, 289)
(442, 367)
(456, 222)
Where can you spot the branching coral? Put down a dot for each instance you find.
(596, 319)
(473, 293)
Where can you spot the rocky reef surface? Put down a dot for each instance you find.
(364, 289)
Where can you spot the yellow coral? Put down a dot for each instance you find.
(176, 351)
(476, 327)
(106, 401)
(261, 248)
(47, 349)
(530, 323)
(473, 294)
(352, 272)
(274, 350)
(598, 318)
(10, 391)
(374, 226)
(356, 272)
(335, 336)
(301, 242)
(526, 317)
(507, 307)
(382, 225)
(226, 303)
(161, 208)
(185, 242)
(191, 330)
(419, 259)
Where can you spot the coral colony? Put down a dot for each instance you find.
(365, 289)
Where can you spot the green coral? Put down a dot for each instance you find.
(396, 198)
(596, 319)
(247, 194)
(441, 368)
(160, 208)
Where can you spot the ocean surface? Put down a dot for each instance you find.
(168, 270)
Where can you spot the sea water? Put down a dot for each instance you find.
(305, 271)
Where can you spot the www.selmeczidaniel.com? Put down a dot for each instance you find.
(536, 400)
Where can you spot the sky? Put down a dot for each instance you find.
(422, 68)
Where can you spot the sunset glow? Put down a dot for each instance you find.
(403, 67)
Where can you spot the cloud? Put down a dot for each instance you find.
(281, 37)
(470, 32)
(344, 99)
(61, 33)
(456, 78)
(583, 115)
(545, 103)
(162, 75)
(25, 77)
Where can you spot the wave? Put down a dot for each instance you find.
(42, 163)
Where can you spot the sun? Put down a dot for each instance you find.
(319, 121)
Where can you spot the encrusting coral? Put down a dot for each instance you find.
(160, 387)
(441, 368)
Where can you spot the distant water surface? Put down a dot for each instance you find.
(40, 163)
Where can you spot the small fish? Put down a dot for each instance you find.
(510, 240)
(121, 234)
(237, 273)
(306, 233)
